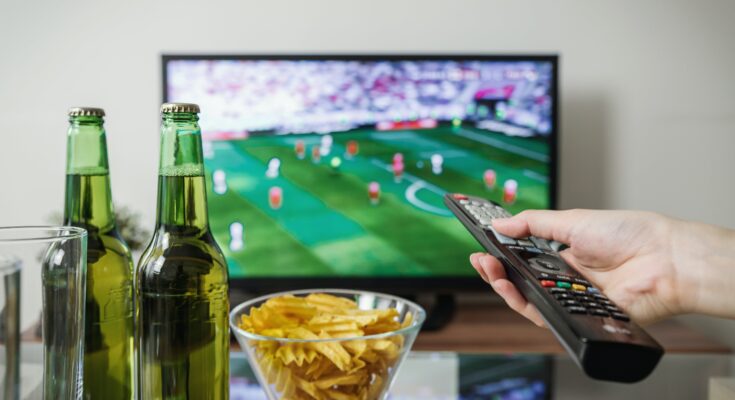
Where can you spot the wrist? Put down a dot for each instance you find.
(704, 263)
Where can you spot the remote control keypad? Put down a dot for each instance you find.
(578, 301)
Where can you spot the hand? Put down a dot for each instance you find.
(628, 255)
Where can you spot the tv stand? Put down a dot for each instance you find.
(492, 327)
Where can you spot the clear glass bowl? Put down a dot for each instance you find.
(374, 359)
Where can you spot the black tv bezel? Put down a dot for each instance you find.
(400, 285)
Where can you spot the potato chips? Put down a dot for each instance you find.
(354, 369)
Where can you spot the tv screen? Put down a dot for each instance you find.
(335, 166)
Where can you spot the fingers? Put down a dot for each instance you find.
(475, 261)
(492, 272)
(516, 301)
(488, 267)
(554, 225)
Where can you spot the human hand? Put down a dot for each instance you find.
(629, 255)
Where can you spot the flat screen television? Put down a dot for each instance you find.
(329, 170)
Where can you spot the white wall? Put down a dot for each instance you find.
(648, 106)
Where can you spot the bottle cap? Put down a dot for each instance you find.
(179, 108)
(86, 112)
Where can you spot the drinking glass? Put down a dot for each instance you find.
(43, 271)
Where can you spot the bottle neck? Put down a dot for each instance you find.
(182, 198)
(88, 199)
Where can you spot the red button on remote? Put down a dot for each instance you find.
(459, 196)
(546, 283)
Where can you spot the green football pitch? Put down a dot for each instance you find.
(327, 226)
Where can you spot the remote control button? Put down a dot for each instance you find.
(485, 221)
(577, 310)
(582, 297)
(564, 296)
(569, 303)
(605, 302)
(545, 264)
(556, 290)
(476, 203)
(612, 308)
(593, 305)
(545, 283)
(463, 202)
(498, 212)
(501, 238)
(593, 289)
(459, 196)
(578, 287)
(542, 244)
(581, 281)
(599, 296)
(620, 316)
(503, 214)
(599, 312)
(566, 285)
(524, 242)
(563, 278)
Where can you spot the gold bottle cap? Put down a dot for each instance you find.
(86, 112)
(179, 108)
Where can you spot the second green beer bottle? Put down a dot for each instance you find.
(108, 354)
(182, 331)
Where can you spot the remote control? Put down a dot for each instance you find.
(598, 335)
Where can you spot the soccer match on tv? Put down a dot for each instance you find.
(338, 167)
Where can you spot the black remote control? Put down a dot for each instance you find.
(597, 334)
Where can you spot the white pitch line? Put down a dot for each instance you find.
(411, 197)
(535, 175)
(417, 184)
(446, 154)
(501, 145)
(409, 177)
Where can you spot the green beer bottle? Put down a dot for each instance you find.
(108, 343)
(182, 335)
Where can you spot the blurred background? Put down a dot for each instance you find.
(647, 89)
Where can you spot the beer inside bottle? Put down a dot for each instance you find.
(108, 354)
(182, 305)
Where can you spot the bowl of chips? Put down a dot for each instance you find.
(326, 344)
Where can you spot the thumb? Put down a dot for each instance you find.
(553, 225)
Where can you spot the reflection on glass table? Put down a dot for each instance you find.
(440, 376)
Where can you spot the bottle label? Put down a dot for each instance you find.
(182, 170)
